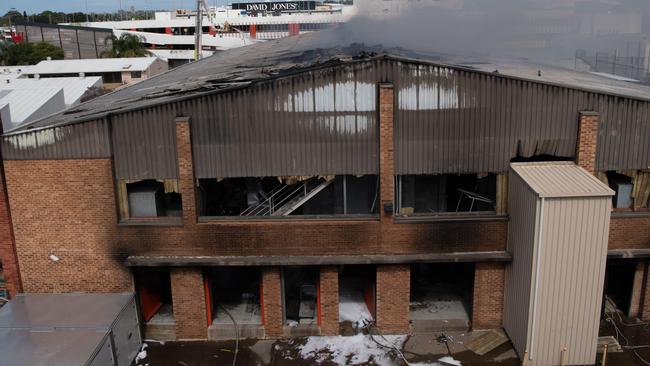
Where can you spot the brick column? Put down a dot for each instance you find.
(329, 301)
(587, 141)
(393, 297)
(637, 290)
(272, 297)
(8, 255)
(188, 298)
(645, 297)
(386, 159)
(185, 169)
(487, 309)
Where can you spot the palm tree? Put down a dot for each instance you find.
(127, 45)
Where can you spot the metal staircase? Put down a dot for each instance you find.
(285, 199)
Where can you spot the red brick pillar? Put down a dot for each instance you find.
(185, 169)
(587, 141)
(386, 159)
(393, 296)
(487, 309)
(329, 301)
(8, 255)
(637, 290)
(272, 297)
(645, 297)
(188, 300)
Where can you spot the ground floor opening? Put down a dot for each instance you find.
(441, 296)
(154, 293)
(623, 286)
(356, 297)
(234, 301)
(300, 300)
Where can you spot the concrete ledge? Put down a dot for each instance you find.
(222, 332)
(190, 261)
(301, 331)
(628, 253)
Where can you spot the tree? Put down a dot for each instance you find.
(127, 45)
(30, 54)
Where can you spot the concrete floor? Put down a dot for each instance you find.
(417, 348)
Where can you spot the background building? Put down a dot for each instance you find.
(114, 72)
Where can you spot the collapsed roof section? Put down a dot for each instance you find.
(247, 65)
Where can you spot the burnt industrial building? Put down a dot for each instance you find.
(303, 189)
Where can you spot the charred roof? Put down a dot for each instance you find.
(273, 59)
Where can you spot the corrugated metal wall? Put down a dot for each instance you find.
(570, 283)
(522, 205)
(624, 137)
(452, 121)
(144, 144)
(315, 123)
(81, 141)
(325, 122)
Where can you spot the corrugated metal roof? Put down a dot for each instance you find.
(73, 87)
(245, 65)
(91, 65)
(560, 179)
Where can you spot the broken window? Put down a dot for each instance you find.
(289, 196)
(631, 189)
(435, 194)
(622, 186)
(153, 287)
(300, 295)
(441, 296)
(149, 198)
(235, 295)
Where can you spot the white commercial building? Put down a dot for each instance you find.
(113, 71)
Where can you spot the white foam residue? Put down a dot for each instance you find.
(353, 308)
(142, 354)
(356, 350)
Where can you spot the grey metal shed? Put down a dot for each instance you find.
(70, 329)
(558, 240)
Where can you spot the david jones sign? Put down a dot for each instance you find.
(276, 6)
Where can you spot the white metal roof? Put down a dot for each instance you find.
(73, 87)
(91, 65)
(12, 72)
(23, 103)
(560, 179)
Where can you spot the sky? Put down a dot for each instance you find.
(68, 6)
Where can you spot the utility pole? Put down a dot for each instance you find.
(198, 30)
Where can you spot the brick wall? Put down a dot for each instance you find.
(587, 141)
(272, 297)
(645, 298)
(8, 256)
(487, 309)
(66, 208)
(188, 298)
(329, 301)
(637, 289)
(629, 233)
(393, 296)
